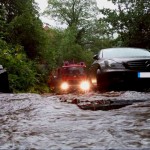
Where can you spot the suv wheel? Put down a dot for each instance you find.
(100, 85)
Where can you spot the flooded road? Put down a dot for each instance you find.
(32, 121)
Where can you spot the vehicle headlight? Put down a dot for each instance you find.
(64, 86)
(93, 80)
(114, 65)
(85, 85)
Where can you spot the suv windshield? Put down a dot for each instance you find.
(125, 52)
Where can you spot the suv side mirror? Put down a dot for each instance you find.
(95, 57)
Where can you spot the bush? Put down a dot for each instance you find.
(21, 71)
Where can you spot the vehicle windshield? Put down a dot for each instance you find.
(73, 71)
(125, 52)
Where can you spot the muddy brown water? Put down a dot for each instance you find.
(32, 121)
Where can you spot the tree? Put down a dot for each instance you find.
(28, 32)
(130, 21)
(62, 47)
(52, 52)
(21, 71)
(15, 8)
(98, 36)
(23, 26)
(76, 14)
(22, 37)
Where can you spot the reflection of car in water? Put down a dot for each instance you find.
(70, 77)
(121, 66)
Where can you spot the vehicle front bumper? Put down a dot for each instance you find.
(125, 77)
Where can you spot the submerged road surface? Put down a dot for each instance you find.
(32, 121)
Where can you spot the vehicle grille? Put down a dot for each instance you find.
(73, 82)
(142, 65)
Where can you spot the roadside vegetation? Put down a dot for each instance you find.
(29, 51)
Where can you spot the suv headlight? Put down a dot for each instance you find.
(114, 65)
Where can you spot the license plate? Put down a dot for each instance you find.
(143, 74)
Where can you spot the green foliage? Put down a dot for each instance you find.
(13, 8)
(2, 23)
(84, 34)
(20, 70)
(23, 26)
(72, 12)
(23, 44)
(52, 53)
(75, 14)
(62, 46)
(98, 36)
(130, 21)
(27, 31)
(70, 50)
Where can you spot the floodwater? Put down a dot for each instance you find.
(32, 121)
